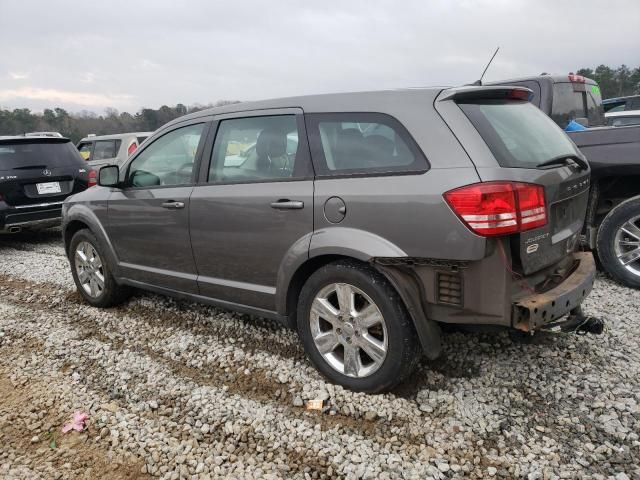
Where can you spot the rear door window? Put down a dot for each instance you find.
(518, 134)
(42, 154)
(362, 143)
(106, 149)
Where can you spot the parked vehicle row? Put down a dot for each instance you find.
(612, 224)
(363, 220)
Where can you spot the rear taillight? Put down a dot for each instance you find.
(132, 148)
(499, 208)
(576, 78)
(93, 179)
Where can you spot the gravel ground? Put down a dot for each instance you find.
(179, 390)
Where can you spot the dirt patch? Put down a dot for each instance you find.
(30, 426)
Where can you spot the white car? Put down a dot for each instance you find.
(100, 150)
(623, 118)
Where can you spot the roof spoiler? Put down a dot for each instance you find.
(472, 92)
(20, 140)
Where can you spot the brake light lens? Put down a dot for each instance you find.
(519, 95)
(573, 78)
(93, 179)
(132, 148)
(499, 208)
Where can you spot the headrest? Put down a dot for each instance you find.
(271, 143)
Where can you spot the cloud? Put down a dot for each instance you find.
(18, 76)
(64, 97)
(169, 52)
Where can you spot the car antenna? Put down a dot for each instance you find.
(479, 82)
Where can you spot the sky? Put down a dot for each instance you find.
(90, 55)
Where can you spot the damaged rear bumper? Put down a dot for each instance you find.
(537, 310)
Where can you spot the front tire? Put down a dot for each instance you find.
(355, 328)
(619, 243)
(91, 272)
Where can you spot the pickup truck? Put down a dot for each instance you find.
(612, 224)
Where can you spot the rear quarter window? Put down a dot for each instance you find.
(362, 144)
(85, 150)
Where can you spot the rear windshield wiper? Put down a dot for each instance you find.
(564, 160)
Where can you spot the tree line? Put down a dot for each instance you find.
(614, 82)
(78, 125)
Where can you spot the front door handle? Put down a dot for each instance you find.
(171, 205)
(285, 204)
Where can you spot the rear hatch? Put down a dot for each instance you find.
(34, 171)
(525, 147)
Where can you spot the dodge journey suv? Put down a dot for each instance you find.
(363, 220)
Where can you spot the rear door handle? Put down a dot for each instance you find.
(171, 205)
(285, 204)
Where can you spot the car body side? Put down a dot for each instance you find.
(418, 240)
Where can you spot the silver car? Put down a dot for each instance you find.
(100, 150)
(395, 213)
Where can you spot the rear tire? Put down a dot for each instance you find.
(92, 273)
(618, 242)
(375, 325)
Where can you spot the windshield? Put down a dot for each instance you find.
(577, 100)
(50, 155)
(518, 134)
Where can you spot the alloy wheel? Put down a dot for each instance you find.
(89, 269)
(348, 330)
(627, 245)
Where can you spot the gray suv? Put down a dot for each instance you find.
(363, 220)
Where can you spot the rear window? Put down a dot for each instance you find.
(577, 100)
(105, 149)
(518, 134)
(49, 155)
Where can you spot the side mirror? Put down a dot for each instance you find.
(583, 121)
(109, 176)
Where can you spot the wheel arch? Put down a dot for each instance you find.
(405, 284)
(79, 217)
(613, 191)
(316, 250)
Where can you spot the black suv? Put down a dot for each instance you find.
(36, 175)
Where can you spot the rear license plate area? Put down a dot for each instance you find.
(48, 188)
